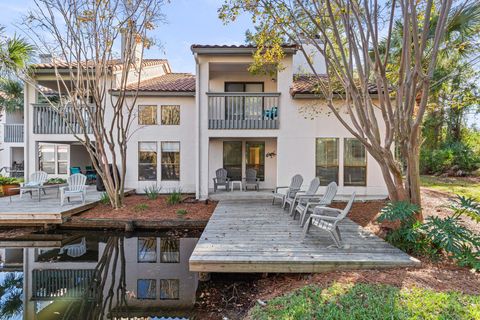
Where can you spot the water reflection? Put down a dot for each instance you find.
(85, 276)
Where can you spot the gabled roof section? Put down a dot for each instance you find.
(170, 83)
(115, 64)
(307, 84)
(234, 49)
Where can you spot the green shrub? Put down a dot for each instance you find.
(182, 212)
(9, 180)
(56, 181)
(152, 192)
(140, 207)
(466, 206)
(175, 197)
(449, 155)
(104, 198)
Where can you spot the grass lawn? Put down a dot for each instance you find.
(367, 301)
(469, 187)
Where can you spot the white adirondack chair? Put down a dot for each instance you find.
(295, 185)
(75, 250)
(303, 196)
(251, 179)
(221, 179)
(328, 223)
(76, 187)
(36, 179)
(304, 208)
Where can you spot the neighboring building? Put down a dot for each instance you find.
(189, 126)
(11, 143)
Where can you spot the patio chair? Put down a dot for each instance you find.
(303, 196)
(76, 187)
(295, 185)
(75, 250)
(304, 208)
(320, 219)
(251, 179)
(36, 179)
(221, 179)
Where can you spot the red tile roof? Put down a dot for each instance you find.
(308, 84)
(226, 46)
(116, 64)
(170, 82)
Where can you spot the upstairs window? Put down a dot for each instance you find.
(147, 115)
(170, 115)
(355, 163)
(326, 158)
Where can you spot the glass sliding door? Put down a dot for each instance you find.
(255, 157)
(232, 159)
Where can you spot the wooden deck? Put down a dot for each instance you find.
(29, 211)
(254, 236)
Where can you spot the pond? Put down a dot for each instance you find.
(89, 275)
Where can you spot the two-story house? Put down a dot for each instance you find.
(187, 126)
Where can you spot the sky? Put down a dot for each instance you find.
(187, 22)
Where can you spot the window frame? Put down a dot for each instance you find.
(337, 140)
(139, 164)
(55, 161)
(179, 114)
(177, 243)
(145, 239)
(262, 157)
(364, 184)
(179, 160)
(237, 142)
(178, 289)
(154, 281)
(156, 114)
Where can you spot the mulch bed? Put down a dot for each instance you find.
(139, 209)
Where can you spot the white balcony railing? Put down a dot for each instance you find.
(243, 110)
(13, 133)
(47, 120)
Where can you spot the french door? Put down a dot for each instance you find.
(236, 158)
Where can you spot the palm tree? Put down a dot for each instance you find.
(11, 95)
(15, 53)
(11, 291)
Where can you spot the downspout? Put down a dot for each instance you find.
(26, 132)
(197, 127)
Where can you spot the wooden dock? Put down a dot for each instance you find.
(29, 211)
(254, 236)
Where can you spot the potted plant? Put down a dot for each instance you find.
(8, 183)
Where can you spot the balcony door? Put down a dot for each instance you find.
(244, 107)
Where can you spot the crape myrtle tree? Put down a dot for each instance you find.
(355, 37)
(83, 37)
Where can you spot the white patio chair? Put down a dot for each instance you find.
(303, 195)
(295, 185)
(320, 219)
(76, 187)
(75, 250)
(251, 179)
(304, 208)
(221, 179)
(36, 179)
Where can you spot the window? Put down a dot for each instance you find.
(53, 158)
(171, 161)
(62, 159)
(169, 289)
(169, 250)
(170, 115)
(147, 161)
(255, 158)
(47, 158)
(326, 154)
(147, 249)
(232, 159)
(147, 115)
(146, 289)
(244, 108)
(355, 163)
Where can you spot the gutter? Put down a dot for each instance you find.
(155, 93)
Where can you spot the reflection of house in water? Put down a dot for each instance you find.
(11, 259)
(60, 281)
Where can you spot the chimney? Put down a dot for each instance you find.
(45, 58)
(136, 47)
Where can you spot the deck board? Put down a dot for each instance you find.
(254, 236)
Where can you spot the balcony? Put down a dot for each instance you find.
(13, 133)
(47, 120)
(243, 110)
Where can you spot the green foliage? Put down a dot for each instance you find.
(12, 98)
(454, 185)
(15, 52)
(11, 292)
(182, 212)
(56, 181)
(140, 207)
(104, 198)
(9, 180)
(152, 192)
(466, 206)
(175, 197)
(403, 211)
(449, 155)
(366, 301)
